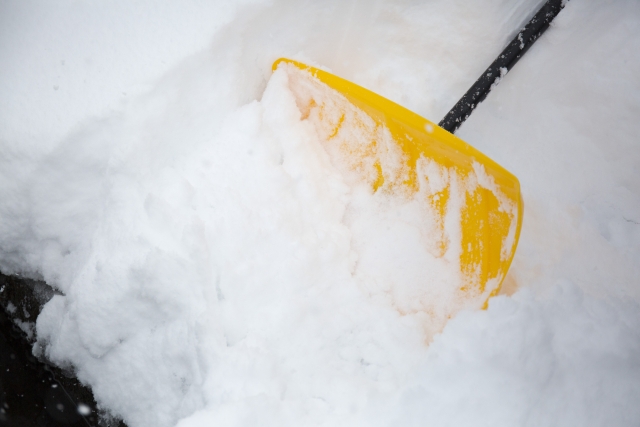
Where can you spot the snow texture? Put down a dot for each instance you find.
(217, 267)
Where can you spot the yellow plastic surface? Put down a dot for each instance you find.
(485, 226)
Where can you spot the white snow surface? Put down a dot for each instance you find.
(212, 259)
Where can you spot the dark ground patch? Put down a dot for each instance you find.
(33, 392)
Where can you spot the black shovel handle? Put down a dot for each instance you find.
(503, 64)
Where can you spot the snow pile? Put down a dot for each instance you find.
(217, 266)
(567, 360)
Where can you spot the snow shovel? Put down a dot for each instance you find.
(490, 209)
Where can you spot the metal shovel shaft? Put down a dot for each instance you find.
(503, 64)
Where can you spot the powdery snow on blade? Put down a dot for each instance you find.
(407, 238)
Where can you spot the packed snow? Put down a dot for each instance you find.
(216, 265)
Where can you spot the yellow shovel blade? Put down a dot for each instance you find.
(491, 213)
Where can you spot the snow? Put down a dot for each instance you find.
(218, 267)
(84, 409)
(28, 328)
